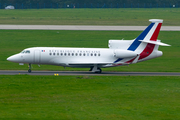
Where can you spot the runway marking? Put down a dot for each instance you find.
(59, 73)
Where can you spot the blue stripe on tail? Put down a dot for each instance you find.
(136, 42)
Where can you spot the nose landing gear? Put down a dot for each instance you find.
(29, 68)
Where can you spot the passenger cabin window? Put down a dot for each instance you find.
(70, 53)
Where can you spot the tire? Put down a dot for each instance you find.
(29, 71)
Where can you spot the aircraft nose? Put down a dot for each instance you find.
(9, 58)
(13, 58)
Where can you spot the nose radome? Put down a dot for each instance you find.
(13, 58)
(9, 58)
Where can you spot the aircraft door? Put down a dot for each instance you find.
(36, 56)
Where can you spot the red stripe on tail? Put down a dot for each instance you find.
(150, 47)
(147, 51)
(156, 32)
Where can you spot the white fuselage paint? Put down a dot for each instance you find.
(120, 52)
(73, 57)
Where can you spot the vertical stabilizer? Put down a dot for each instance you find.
(154, 32)
(146, 44)
(147, 41)
(149, 34)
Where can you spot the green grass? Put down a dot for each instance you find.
(89, 16)
(89, 97)
(14, 41)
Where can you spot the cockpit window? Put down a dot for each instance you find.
(23, 51)
(27, 51)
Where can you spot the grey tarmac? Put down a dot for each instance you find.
(84, 73)
(83, 27)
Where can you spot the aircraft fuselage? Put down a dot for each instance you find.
(120, 52)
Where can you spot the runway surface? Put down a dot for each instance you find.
(83, 27)
(59, 73)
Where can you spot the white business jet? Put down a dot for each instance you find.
(120, 52)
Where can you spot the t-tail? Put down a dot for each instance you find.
(146, 44)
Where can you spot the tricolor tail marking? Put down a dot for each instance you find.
(136, 42)
(150, 47)
(141, 45)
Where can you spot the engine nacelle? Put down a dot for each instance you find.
(120, 44)
(119, 53)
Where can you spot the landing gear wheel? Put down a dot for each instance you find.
(91, 68)
(99, 70)
(29, 68)
(96, 69)
(29, 71)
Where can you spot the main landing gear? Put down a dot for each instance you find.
(98, 70)
(95, 69)
(29, 68)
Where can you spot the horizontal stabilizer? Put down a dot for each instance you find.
(155, 42)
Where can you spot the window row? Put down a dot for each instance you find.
(73, 51)
(75, 54)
